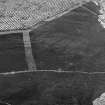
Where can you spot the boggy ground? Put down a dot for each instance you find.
(51, 88)
(74, 42)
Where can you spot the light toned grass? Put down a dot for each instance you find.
(28, 12)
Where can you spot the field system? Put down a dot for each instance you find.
(22, 16)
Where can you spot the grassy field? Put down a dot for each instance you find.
(51, 88)
(73, 42)
(24, 13)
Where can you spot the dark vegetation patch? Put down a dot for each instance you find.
(73, 42)
(12, 56)
(49, 88)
